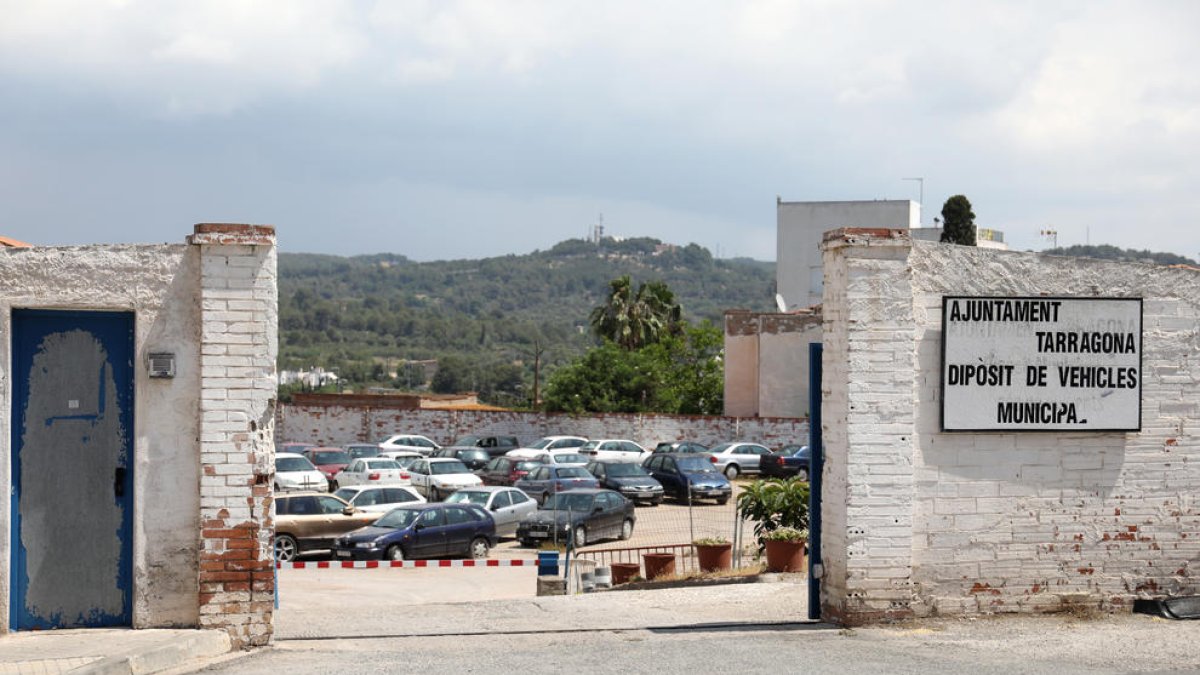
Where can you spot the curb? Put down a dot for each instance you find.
(204, 644)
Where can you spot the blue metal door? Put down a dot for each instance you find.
(72, 469)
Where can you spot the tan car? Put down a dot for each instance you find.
(306, 521)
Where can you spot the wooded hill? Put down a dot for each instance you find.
(361, 316)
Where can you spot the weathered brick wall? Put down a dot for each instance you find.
(924, 522)
(335, 425)
(237, 362)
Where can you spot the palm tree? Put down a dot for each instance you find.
(634, 320)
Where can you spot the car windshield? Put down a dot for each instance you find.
(347, 493)
(526, 466)
(405, 462)
(625, 470)
(541, 443)
(382, 464)
(468, 455)
(568, 502)
(398, 518)
(720, 448)
(468, 496)
(467, 440)
(438, 468)
(694, 464)
(573, 472)
(293, 464)
(331, 457)
(796, 452)
(358, 451)
(570, 458)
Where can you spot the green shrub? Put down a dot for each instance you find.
(711, 541)
(775, 504)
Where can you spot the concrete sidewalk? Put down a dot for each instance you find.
(111, 651)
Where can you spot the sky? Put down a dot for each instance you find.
(448, 129)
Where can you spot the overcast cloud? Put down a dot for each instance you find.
(452, 129)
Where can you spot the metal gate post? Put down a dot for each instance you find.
(816, 465)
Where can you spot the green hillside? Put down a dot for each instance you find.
(362, 316)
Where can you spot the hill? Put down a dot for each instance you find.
(1106, 252)
(364, 316)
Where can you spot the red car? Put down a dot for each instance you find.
(506, 470)
(329, 461)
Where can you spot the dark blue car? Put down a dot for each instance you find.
(689, 477)
(421, 531)
(788, 461)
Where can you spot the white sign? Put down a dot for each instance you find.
(1041, 364)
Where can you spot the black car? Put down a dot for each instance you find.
(474, 458)
(494, 446)
(788, 461)
(631, 480)
(421, 531)
(689, 477)
(579, 517)
(686, 447)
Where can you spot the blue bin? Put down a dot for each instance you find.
(548, 563)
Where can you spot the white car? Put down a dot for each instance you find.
(371, 471)
(734, 458)
(548, 443)
(379, 498)
(295, 472)
(615, 450)
(563, 457)
(404, 458)
(507, 505)
(412, 442)
(438, 477)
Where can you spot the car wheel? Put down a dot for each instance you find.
(286, 548)
(435, 495)
(527, 543)
(479, 548)
(394, 552)
(580, 536)
(333, 486)
(802, 474)
(277, 488)
(722, 501)
(626, 529)
(731, 471)
(656, 501)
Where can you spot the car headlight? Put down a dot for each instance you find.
(364, 544)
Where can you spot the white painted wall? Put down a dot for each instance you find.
(800, 227)
(921, 522)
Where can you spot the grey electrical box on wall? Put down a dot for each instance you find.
(162, 364)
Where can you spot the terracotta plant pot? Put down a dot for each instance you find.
(659, 564)
(714, 557)
(623, 573)
(786, 556)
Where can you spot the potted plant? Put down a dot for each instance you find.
(785, 548)
(714, 554)
(777, 506)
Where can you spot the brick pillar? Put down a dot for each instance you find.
(868, 422)
(238, 344)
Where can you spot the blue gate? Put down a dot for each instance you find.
(72, 469)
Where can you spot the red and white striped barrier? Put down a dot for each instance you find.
(373, 564)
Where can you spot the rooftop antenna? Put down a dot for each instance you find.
(921, 199)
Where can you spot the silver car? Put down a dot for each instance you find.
(732, 459)
(507, 505)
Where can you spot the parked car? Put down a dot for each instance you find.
(422, 531)
(548, 443)
(732, 459)
(295, 448)
(583, 516)
(379, 498)
(683, 447)
(404, 458)
(548, 479)
(474, 458)
(631, 480)
(505, 470)
(437, 477)
(295, 472)
(507, 505)
(560, 457)
(372, 471)
(614, 450)
(362, 450)
(412, 442)
(788, 461)
(689, 477)
(328, 461)
(311, 521)
(494, 445)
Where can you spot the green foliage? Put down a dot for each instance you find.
(634, 320)
(1107, 252)
(775, 504)
(958, 221)
(711, 541)
(786, 534)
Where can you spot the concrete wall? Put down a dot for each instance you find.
(921, 522)
(766, 363)
(800, 227)
(338, 425)
(161, 285)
